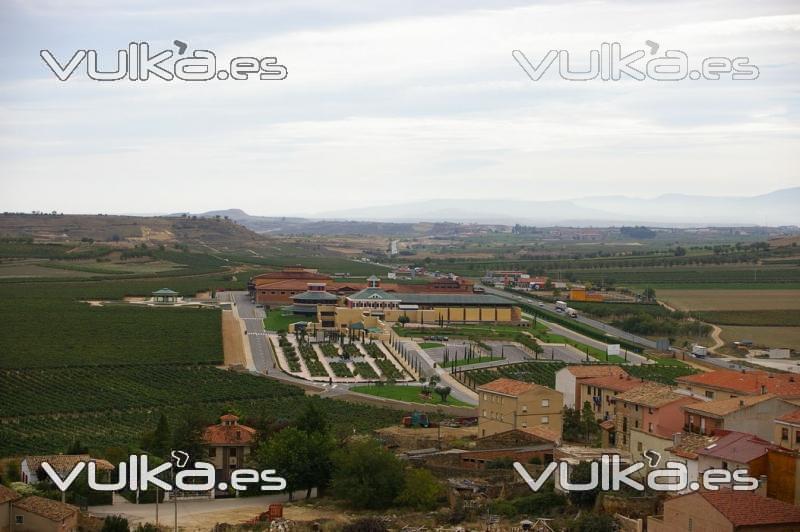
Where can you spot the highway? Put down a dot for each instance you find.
(606, 328)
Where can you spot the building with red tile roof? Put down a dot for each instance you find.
(736, 450)
(506, 404)
(726, 384)
(568, 380)
(786, 430)
(228, 445)
(650, 407)
(725, 511)
(43, 515)
(752, 414)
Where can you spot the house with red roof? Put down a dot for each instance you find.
(786, 430)
(725, 511)
(727, 384)
(228, 445)
(568, 380)
(753, 414)
(507, 404)
(652, 409)
(736, 450)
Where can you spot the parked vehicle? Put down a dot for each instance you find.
(699, 351)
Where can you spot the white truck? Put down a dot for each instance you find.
(571, 312)
(561, 306)
(698, 351)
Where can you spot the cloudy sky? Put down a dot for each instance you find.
(388, 102)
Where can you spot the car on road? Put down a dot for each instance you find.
(541, 303)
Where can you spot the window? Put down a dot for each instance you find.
(636, 407)
(649, 427)
(639, 446)
(797, 436)
(636, 424)
(784, 434)
(545, 420)
(709, 394)
(724, 465)
(690, 526)
(233, 452)
(212, 452)
(19, 519)
(545, 402)
(484, 413)
(524, 424)
(524, 408)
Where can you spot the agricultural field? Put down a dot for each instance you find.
(543, 372)
(124, 428)
(769, 318)
(764, 336)
(664, 373)
(58, 333)
(743, 299)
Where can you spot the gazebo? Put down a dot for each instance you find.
(165, 295)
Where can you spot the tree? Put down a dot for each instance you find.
(581, 474)
(115, 523)
(312, 420)
(421, 490)
(188, 435)
(649, 293)
(303, 459)
(366, 475)
(402, 320)
(588, 422)
(76, 447)
(442, 391)
(159, 441)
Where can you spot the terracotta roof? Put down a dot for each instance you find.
(47, 508)
(63, 463)
(745, 508)
(650, 394)
(791, 417)
(543, 433)
(781, 384)
(235, 434)
(7, 494)
(690, 443)
(736, 447)
(596, 370)
(617, 383)
(723, 407)
(509, 386)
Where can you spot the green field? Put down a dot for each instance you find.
(124, 428)
(58, 333)
(752, 318)
(409, 394)
(430, 345)
(663, 373)
(468, 362)
(276, 320)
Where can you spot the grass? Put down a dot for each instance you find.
(764, 336)
(409, 394)
(430, 345)
(276, 320)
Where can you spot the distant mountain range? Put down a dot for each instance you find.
(777, 208)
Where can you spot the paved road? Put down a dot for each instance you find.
(608, 329)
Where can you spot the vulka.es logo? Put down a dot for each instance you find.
(608, 475)
(136, 474)
(138, 63)
(609, 64)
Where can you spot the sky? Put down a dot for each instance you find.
(390, 102)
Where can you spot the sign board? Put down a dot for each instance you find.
(613, 349)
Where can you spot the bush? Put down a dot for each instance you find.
(366, 524)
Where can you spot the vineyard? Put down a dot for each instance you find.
(388, 369)
(40, 333)
(374, 351)
(543, 372)
(663, 373)
(329, 350)
(73, 390)
(123, 428)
